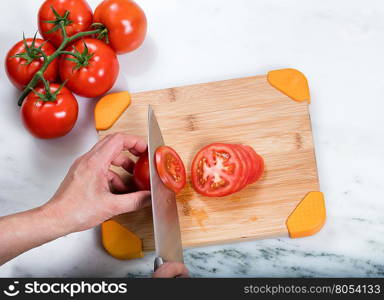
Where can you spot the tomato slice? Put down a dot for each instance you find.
(258, 164)
(170, 168)
(249, 161)
(216, 170)
(243, 179)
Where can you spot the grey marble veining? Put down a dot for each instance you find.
(339, 45)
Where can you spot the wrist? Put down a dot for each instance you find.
(56, 223)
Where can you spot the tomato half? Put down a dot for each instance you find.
(125, 21)
(21, 63)
(216, 170)
(93, 75)
(141, 173)
(49, 119)
(170, 168)
(79, 18)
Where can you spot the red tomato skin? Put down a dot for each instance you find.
(47, 120)
(253, 167)
(19, 73)
(258, 165)
(125, 21)
(261, 169)
(161, 156)
(80, 15)
(243, 179)
(233, 179)
(95, 79)
(141, 173)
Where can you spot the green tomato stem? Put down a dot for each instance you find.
(48, 59)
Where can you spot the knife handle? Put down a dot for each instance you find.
(158, 262)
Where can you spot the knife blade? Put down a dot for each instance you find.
(164, 209)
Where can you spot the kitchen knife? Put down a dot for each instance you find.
(164, 210)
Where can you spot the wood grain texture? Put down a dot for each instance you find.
(248, 111)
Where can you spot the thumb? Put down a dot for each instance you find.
(171, 270)
(124, 203)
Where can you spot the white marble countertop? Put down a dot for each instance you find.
(339, 45)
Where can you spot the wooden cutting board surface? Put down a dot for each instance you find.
(247, 111)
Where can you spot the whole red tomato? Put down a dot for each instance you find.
(22, 62)
(141, 173)
(125, 21)
(79, 18)
(49, 119)
(94, 69)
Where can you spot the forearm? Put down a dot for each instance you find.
(83, 200)
(23, 231)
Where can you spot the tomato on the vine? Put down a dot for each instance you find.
(125, 21)
(91, 70)
(24, 59)
(75, 14)
(170, 168)
(141, 173)
(50, 117)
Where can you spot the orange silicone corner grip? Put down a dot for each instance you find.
(109, 108)
(291, 82)
(119, 242)
(308, 217)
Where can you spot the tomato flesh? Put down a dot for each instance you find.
(216, 170)
(243, 180)
(222, 169)
(258, 164)
(170, 168)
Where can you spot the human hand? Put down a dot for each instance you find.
(171, 270)
(84, 199)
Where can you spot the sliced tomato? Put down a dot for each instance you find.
(244, 176)
(258, 164)
(216, 170)
(170, 168)
(249, 158)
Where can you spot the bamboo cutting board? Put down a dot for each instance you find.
(246, 111)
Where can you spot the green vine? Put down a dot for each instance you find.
(48, 95)
(80, 59)
(61, 22)
(58, 21)
(31, 52)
